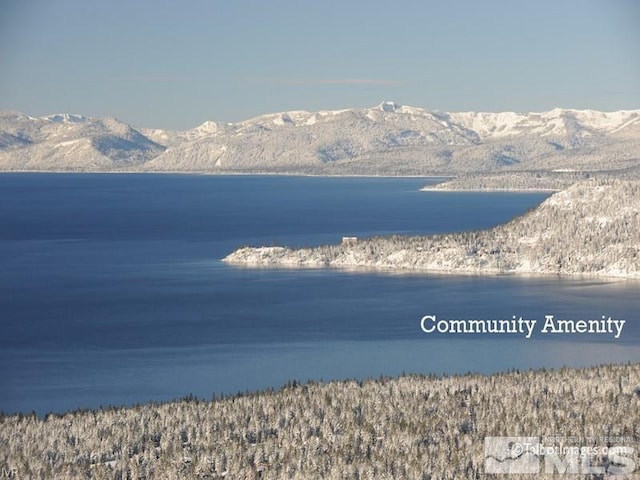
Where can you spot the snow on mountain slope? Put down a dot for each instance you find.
(299, 140)
(394, 139)
(71, 142)
(386, 139)
(66, 118)
(557, 122)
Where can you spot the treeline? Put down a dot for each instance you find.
(513, 181)
(531, 180)
(412, 427)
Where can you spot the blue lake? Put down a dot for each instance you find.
(112, 290)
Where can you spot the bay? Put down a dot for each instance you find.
(112, 290)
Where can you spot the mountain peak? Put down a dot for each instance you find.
(388, 106)
(207, 127)
(66, 118)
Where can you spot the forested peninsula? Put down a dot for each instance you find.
(591, 228)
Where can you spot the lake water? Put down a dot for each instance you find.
(112, 290)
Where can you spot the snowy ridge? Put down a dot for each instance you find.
(392, 139)
(591, 228)
(388, 139)
(557, 122)
(71, 143)
(66, 118)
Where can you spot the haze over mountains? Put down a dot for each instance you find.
(388, 139)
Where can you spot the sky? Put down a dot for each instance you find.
(176, 64)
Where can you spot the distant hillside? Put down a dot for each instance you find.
(71, 143)
(591, 228)
(389, 139)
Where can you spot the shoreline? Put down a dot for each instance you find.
(388, 270)
(225, 174)
(298, 382)
(428, 188)
(497, 190)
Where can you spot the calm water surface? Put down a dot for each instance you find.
(112, 290)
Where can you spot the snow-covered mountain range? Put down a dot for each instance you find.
(388, 139)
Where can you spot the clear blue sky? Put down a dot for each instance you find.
(175, 64)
